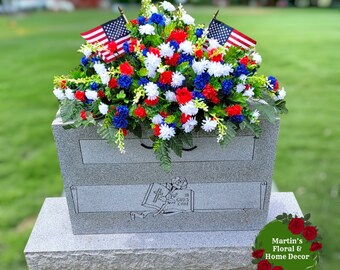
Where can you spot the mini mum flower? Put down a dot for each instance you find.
(124, 81)
(69, 94)
(167, 6)
(187, 19)
(151, 90)
(147, 29)
(177, 79)
(208, 124)
(157, 119)
(170, 96)
(189, 125)
(189, 108)
(59, 93)
(92, 95)
(213, 44)
(200, 66)
(103, 108)
(166, 50)
(280, 94)
(187, 47)
(166, 132)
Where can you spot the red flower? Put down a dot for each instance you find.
(184, 118)
(309, 233)
(134, 21)
(244, 60)
(213, 57)
(315, 246)
(165, 77)
(150, 102)
(112, 46)
(276, 86)
(210, 93)
(155, 51)
(178, 35)
(183, 95)
(80, 95)
(63, 84)
(133, 44)
(234, 110)
(277, 268)
(296, 225)
(126, 69)
(199, 53)
(172, 61)
(83, 115)
(113, 83)
(258, 253)
(164, 114)
(157, 130)
(125, 132)
(140, 112)
(101, 94)
(264, 265)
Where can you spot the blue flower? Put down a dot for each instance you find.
(124, 81)
(198, 95)
(241, 69)
(84, 61)
(123, 111)
(227, 85)
(143, 81)
(272, 80)
(163, 87)
(119, 122)
(126, 47)
(157, 19)
(145, 51)
(95, 60)
(174, 44)
(94, 86)
(185, 58)
(200, 81)
(236, 119)
(199, 32)
(173, 125)
(141, 20)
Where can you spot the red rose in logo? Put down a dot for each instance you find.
(309, 233)
(315, 246)
(258, 253)
(277, 268)
(264, 265)
(296, 225)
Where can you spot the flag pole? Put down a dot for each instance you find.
(122, 13)
(215, 15)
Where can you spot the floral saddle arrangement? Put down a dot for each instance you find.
(162, 72)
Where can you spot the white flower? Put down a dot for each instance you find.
(168, 6)
(240, 87)
(69, 94)
(103, 108)
(213, 44)
(151, 90)
(153, 9)
(152, 62)
(147, 29)
(257, 58)
(170, 96)
(249, 92)
(187, 19)
(166, 50)
(227, 69)
(255, 116)
(166, 132)
(209, 124)
(243, 78)
(189, 108)
(157, 119)
(187, 47)
(99, 68)
(177, 79)
(59, 93)
(105, 77)
(280, 94)
(200, 66)
(87, 52)
(167, 20)
(90, 94)
(189, 125)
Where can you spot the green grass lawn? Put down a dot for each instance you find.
(299, 46)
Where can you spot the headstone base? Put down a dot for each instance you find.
(52, 245)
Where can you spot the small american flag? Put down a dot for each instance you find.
(114, 30)
(229, 36)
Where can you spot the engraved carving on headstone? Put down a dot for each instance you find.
(167, 199)
(263, 190)
(74, 194)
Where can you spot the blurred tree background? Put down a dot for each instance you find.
(298, 46)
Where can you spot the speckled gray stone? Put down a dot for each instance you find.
(107, 192)
(52, 245)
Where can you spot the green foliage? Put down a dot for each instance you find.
(69, 109)
(161, 149)
(268, 111)
(108, 133)
(230, 134)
